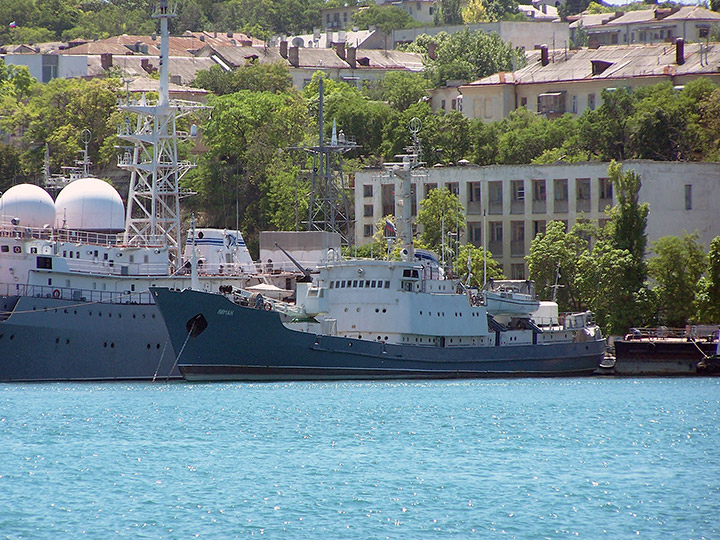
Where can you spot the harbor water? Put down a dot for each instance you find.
(520, 458)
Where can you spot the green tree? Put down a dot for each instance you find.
(601, 281)
(449, 138)
(475, 12)
(449, 13)
(527, 136)
(190, 17)
(503, 10)
(246, 135)
(386, 18)
(581, 36)
(708, 295)
(399, 88)
(59, 111)
(553, 265)
(625, 231)
(477, 264)
(676, 270)
(467, 55)
(573, 7)
(659, 127)
(257, 77)
(15, 81)
(604, 131)
(440, 211)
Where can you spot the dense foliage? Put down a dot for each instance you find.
(249, 172)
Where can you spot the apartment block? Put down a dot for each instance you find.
(508, 205)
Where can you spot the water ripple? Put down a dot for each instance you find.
(545, 458)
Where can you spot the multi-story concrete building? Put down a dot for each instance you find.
(526, 34)
(340, 18)
(513, 203)
(656, 25)
(572, 81)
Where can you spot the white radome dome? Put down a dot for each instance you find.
(90, 204)
(29, 204)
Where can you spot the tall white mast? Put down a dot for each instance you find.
(153, 210)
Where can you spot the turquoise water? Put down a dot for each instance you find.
(540, 458)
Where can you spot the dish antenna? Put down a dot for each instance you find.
(298, 42)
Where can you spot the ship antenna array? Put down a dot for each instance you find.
(406, 171)
(80, 169)
(153, 210)
(329, 206)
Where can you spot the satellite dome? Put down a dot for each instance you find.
(29, 204)
(90, 204)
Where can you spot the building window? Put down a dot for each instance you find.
(495, 189)
(538, 227)
(367, 231)
(561, 189)
(518, 230)
(591, 102)
(367, 190)
(368, 210)
(523, 102)
(453, 187)
(582, 186)
(429, 188)
(703, 32)
(442, 104)
(453, 104)
(474, 191)
(551, 103)
(605, 188)
(538, 190)
(517, 271)
(518, 190)
(475, 233)
(496, 231)
(574, 104)
(388, 199)
(688, 197)
(517, 240)
(495, 197)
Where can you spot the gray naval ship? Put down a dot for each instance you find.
(75, 271)
(363, 319)
(369, 319)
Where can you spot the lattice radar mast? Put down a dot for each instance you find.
(153, 209)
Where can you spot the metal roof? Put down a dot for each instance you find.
(625, 61)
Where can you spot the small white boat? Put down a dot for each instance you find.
(510, 297)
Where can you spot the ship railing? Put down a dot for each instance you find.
(10, 230)
(217, 270)
(566, 321)
(700, 332)
(247, 298)
(116, 268)
(80, 296)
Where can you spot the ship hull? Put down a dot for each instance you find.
(241, 343)
(660, 356)
(47, 339)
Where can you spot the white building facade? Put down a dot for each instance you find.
(519, 201)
